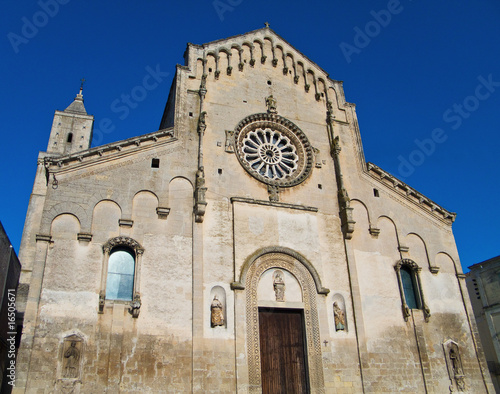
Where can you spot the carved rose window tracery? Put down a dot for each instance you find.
(273, 150)
(270, 153)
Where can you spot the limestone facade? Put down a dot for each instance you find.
(254, 194)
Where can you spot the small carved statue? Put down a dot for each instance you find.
(271, 105)
(339, 317)
(71, 356)
(229, 141)
(217, 313)
(344, 197)
(200, 177)
(202, 125)
(102, 300)
(456, 365)
(279, 286)
(135, 306)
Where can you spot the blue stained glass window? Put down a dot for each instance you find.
(120, 281)
(409, 288)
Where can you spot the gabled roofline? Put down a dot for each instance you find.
(493, 260)
(390, 181)
(103, 152)
(203, 46)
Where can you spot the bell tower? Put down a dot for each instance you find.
(71, 129)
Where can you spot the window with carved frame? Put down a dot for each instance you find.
(120, 274)
(410, 288)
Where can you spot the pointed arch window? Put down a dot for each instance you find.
(410, 288)
(120, 273)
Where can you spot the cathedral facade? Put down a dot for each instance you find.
(245, 246)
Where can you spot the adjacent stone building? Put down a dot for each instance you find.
(10, 319)
(483, 282)
(245, 246)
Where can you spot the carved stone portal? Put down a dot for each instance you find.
(279, 285)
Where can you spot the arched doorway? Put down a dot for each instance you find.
(282, 323)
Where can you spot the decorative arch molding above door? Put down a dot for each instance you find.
(285, 262)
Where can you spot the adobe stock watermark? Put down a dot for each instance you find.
(363, 37)
(454, 116)
(31, 26)
(11, 337)
(128, 101)
(223, 6)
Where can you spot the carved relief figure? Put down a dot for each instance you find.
(71, 358)
(217, 313)
(229, 148)
(456, 365)
(271, 105)
(279, 286)
(339, 317)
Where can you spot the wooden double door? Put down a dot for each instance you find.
(283, 351)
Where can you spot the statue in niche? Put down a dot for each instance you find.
(271, 105)
(217, 313)
(339, 317)
(279, 286)
(456, 365)
(71, 361)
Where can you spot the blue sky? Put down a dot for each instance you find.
(415, 69)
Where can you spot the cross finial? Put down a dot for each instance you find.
(81, 85)
(266, 24)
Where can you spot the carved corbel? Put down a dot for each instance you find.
(347, 222)
(162, 212)
(374, 231)
(274, 193)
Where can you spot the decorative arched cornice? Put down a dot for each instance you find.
(406, 263)
(146, 191)
(240, 285)
(123, 241)
(366, 208)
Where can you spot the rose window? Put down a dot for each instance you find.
(270, 153)
(273, 150)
